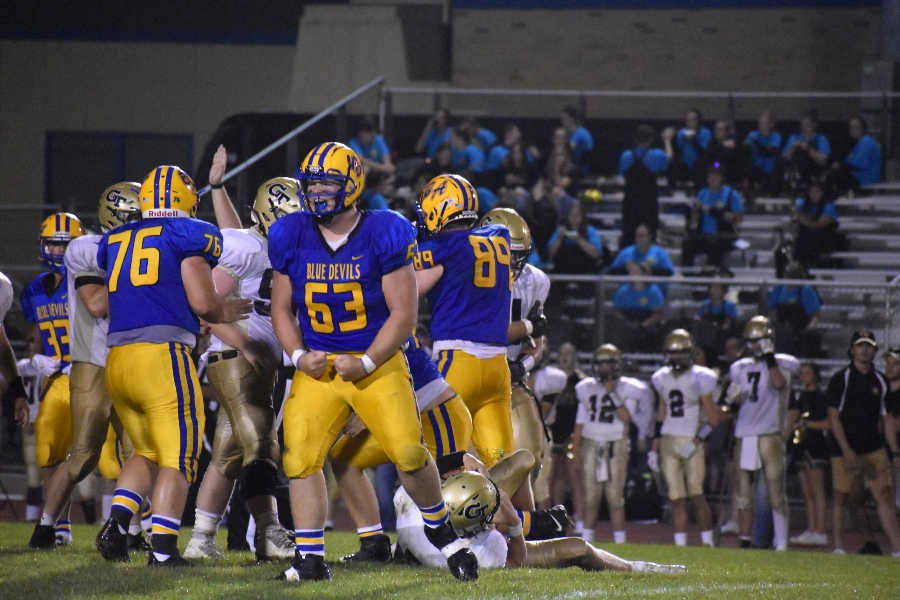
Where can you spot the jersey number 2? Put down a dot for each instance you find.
(144, 261)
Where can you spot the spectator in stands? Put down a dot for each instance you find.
(637, 312)
(862, 166)
(378, 196)
(724, 150)
(641, 167)
(575, 246)
(796, 309)
(856, 396)
(691, 142)
(468, 158)
(373, 151)
(511, 164)
(717, 319)
(767, 174)
(805, 435)
(545, 207)
(481, 137)
(712, 225)
(440, 163)
(581, 142)
(436, 132)
(805, 153)
(816, 220)
(560, 417)
(644, 251)
(559, 169)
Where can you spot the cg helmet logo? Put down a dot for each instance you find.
(474, 511)
(278, 192)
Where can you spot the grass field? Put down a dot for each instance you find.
(79, 572)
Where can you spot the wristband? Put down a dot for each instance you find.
(528, 362)
(704, 431)
(770, 360)
(216, 186)
(515, 531)
(16, 388)
(657, 432)
(368, 364)
(295, 357)
(529, 326)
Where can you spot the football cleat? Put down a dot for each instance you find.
(137, 542)
(174, 561)
(870, 547)
(203, 548)
(308, 567)
(463, 565)
(375, 549)
(112, 543)
(64, 539)
(650, 567)
(43, 537)
(273, 543)
(550, 523)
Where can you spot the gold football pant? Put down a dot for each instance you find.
(53, 426)
(317, 410)
(484, 385)
(113, 454)
(771, 453)
(616, 455)
(528, 429)
(684, 476)
(245, 430)
(156, 393)
(92, 415)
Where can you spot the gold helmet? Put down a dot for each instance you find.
(274, 199)
(757, 328)
(519, 234)
(472, 501)
(168, 191)
(678, 349)
(335, 162)
(57, 230)
(120, 204)
(445, 199)
(607, 355)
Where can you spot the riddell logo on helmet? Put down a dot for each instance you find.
(162, 212)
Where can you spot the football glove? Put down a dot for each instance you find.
(45, 365)
(687, 450)
(538, 320)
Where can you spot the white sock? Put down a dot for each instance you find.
(780, 526)
(579, 526)
(46, 519)
(135, 529)
(707, 537)
(587, 535)
(681, 539)
(107, 506)
(895, 554)
(619, 537)
(206, 524)
(32, 512)
(266, 519)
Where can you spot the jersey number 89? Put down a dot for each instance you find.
(489, 252)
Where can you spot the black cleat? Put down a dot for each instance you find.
(173, 562)
(746, 544)
(112, 543)
(375, 549)
(463, 565)
(43, 538)
(405, 557)
(870, 547)
(136, 542)
(308, 567)
(441, 535)
(550, 523)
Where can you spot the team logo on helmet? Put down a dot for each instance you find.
(445, 199)
(336, 163)
(119, 204)
(274, 199)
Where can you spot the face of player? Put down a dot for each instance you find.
(324, 190)
(56, 248)
(606, 370)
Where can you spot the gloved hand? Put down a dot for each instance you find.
(687, 449)
(45, 365)
(538, 320)
(653, 461)
(766, 345)
(517, 371)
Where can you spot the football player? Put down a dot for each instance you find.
(547, 382)
(159, 282)
(601, 439)
(15, 397)
(525, 334)
(685, 398)
(492, 528)
(760, 385)
(91, 407)
(45, 303)
(350, 273)
(468, 276)
(242, 360)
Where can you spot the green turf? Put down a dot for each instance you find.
(80, 572)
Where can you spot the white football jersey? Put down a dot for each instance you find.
(763, 409)
(245, 257)
(597, 411)
(681, 395)
(532, 286)
(6, 296)
(549, 381)
(87, 335)
(489, 546)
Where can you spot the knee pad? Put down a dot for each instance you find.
(259, 478)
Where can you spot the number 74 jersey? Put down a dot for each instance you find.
(681, 394)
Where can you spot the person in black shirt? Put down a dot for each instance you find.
(855, 406)
(808, 445)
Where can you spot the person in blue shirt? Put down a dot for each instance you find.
(641, 167)
(482, 137)
(816, 219)
(796, 309)
(765, 150)
(372, 151)
(638, 310)
(806, 153)
(862, 165)
(468, 159)
(716, 212)
(581, 142)
(644, 251)
(691, 142)
(436, 131)
(575, 246)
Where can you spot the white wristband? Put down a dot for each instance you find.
(368, 364)
(295, 357)
(528, 363)
(515, 531)
(528, 326)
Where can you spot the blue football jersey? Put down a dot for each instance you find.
(471, 300)
(338, 292)
(421, 365)
(50, 312)
(142, 261)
